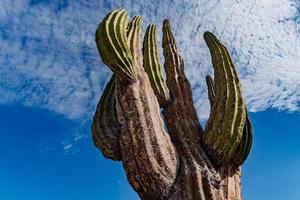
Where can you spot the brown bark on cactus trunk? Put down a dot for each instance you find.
(179, 172)
(164, 153)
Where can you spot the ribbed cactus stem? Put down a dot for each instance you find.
(224, 129)
(106, 128)
(153, 67)
(112, 44)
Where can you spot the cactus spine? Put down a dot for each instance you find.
(170, 158)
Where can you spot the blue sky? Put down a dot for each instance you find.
(35, 167)
(51, 78)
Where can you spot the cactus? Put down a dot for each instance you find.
(170, 158)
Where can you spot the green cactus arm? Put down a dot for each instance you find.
(106, 129)
(153, 67)
(224, 128)
(210, 89)
(244, 147)
(112, 44)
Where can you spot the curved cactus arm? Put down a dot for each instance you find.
(153, 67)
(106, 129)
(210, 89)
(112, 44)
(224, 128)
(244, 147)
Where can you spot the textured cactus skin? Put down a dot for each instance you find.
(112, 43)
(153, 67)
(106, 128)
(170, 158)
(244, 147)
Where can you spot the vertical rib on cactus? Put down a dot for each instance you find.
(112, 44)
(210, 89)
(106, 128)
(244, 147)
(225, 125)
(134, 40)
(153, 67)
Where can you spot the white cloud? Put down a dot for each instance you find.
(48, 57)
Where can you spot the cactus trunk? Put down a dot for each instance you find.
(151, 124)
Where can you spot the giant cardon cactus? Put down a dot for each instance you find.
(151, 125)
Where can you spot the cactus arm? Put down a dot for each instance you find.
(224, 128)
(106, 129)
(180, 113)
(153, 67)
(112, 44)
(173, 62)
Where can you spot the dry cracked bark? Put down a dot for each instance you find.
(151, 125)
